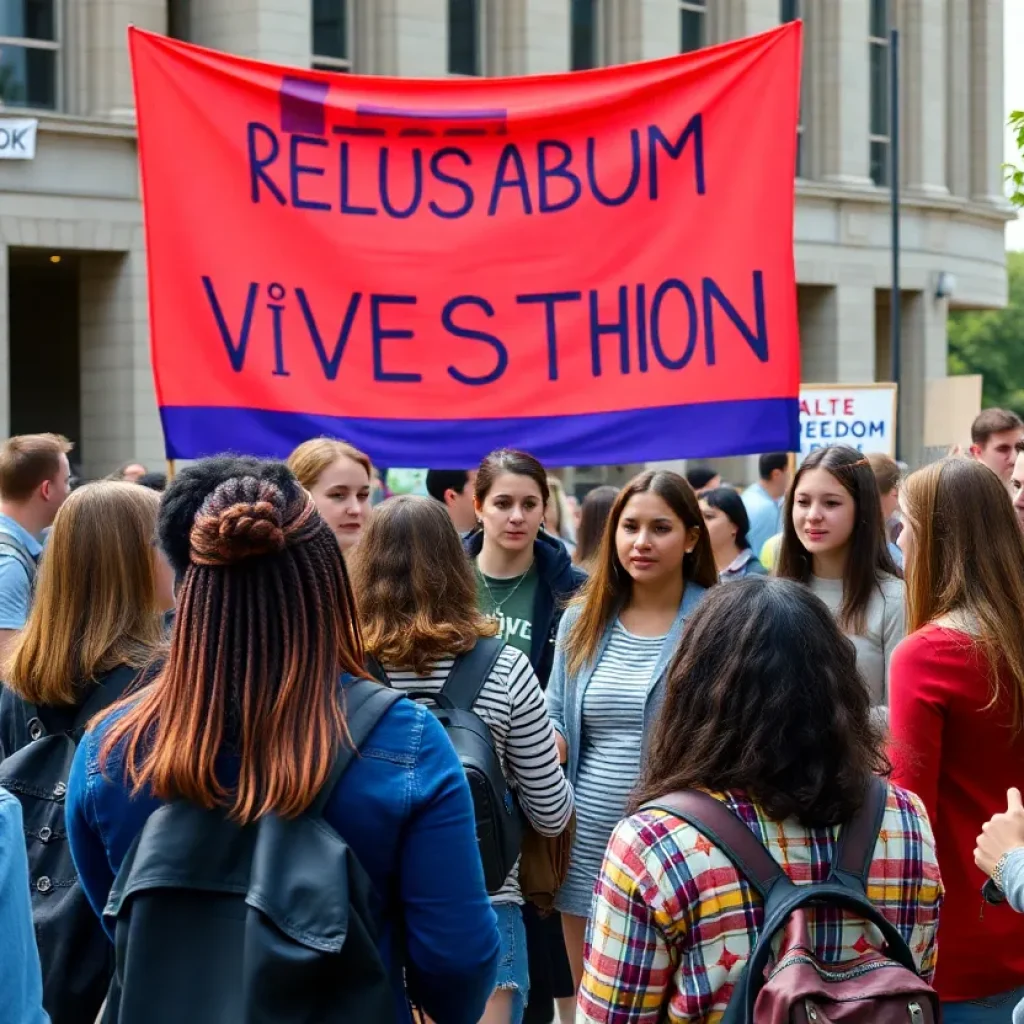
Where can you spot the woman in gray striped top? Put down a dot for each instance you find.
(418, 610)
(614, 645)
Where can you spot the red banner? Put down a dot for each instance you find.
(596, 266)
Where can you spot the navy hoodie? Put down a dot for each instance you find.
(557, 580)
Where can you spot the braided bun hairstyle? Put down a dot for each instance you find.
(265, 627)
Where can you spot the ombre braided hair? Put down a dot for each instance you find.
(265, 627)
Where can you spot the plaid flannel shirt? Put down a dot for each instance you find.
(674, 923)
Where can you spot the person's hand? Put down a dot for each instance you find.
(1003, 833)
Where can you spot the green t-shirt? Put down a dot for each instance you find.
(510, 602)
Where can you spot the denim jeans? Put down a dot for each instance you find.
(996, 1009)
(513, 965)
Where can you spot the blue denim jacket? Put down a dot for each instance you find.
(403, 806)
(21, 980)
(565, 692)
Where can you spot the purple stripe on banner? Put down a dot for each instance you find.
(369, 110)
(694, 431)
(303, 106)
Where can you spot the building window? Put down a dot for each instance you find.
(790, 10)
(693, 15)
(878, 87)
(179, 20)
(29, 48)
(583, 15)
(466, 34)
(332, 35)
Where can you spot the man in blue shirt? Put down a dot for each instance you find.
(35, 480)
(21, 980)
(763, 500)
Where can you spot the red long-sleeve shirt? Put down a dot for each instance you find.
(960, 759)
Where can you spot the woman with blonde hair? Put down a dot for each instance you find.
(340, 478)
(418, 612)
(957, 712)
(97, 620)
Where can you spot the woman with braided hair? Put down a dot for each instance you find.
(248, 715)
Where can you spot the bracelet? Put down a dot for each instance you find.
(997, 871)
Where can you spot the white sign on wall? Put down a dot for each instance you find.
(18, 138)
(862, 416)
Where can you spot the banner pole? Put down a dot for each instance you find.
(170, 470)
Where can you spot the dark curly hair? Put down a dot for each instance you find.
(764, 697)
(264, 629)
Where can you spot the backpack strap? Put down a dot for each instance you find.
(470, 672)
(10, 545)
(729, 833)
(366, 703)
(102, 695)
(853, 853)
(376, 669)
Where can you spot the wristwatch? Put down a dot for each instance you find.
(997, 871)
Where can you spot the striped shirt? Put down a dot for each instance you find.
(674, 923)
(512, 705)
(611, 739)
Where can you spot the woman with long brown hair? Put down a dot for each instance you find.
(614, 646)
(834, 540)
(96, 622)
(765, 711)
(247, 716)
(594, 513)
(418, 612)
(957, 712)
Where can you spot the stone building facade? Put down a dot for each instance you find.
(73, 320)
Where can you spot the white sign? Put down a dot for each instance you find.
(862, 416)
(18, 138)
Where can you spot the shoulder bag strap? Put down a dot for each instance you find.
(729, 833)
(470, 672)
(853, 853)
(366, 703)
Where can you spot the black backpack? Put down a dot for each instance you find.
(76, 957)
(499, 826)
(270, 923)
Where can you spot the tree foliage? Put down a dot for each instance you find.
(992, 343)
(1014, 171)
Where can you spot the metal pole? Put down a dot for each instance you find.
(894, 185)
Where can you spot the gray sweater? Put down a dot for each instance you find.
(885, 627)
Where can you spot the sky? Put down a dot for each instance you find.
(1013, 41)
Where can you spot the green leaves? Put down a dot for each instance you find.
(992, 342)
(1014, 174)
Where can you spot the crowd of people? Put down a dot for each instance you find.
(275, 746)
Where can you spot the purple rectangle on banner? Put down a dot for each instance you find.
(303, 106)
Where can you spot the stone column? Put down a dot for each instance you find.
(530, 37)
(642, 29)
(837, 334)
(923, 351)
(986, 139)
(280, 31)
(101, 39)
(842, 116)
(958, 98)
(406, 37)
(924, 77)
(734, 19)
